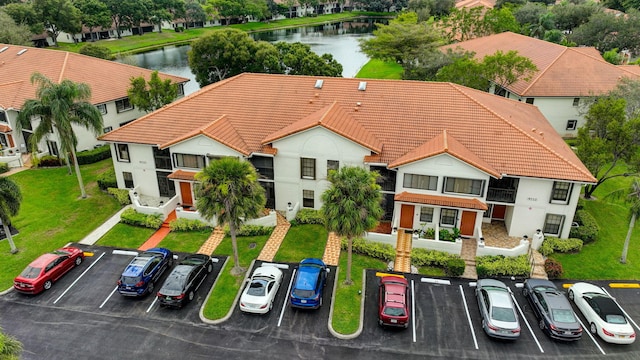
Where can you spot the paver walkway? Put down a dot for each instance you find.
(275, 240)
(159, 235)
(403, 252)
(332, 250)
(468, 254)
(538, 266)
(212, 242)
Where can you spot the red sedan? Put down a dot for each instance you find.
(393, 308)
(46, 269)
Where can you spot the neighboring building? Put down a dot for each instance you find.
(108, 80)
(449, 156)
(566, 76)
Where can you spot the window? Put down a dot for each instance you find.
(423, 182)
(333, 165)
(529, 101)
(464, 186)
(189, 161)
(123, 105)
(53, 148)
(448, 217)
(3, 117)
(308, 168)
(107, 129)
(553, 224)
(180, 90)
(572, 124)
(576, 101)
(162, 158)
(3, 140)
(264, 166)
(122, 150)
(426, 214)
(102, 108)
(387, 178)
(128, 179)
(307, 198)
(561, 191)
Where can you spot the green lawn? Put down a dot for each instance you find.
(52, 214)
(126, 236)
(185, 241)
(377, 69)
(302, 241)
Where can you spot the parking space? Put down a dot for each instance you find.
(91, 287)
(283, 319)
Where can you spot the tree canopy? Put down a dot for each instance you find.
(153, 94)
(12, 33)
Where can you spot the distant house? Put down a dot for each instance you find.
(108, 80)
(566, 76)
(449, 156)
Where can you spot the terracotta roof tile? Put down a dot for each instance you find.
(439, 200)
(489, 4)
(562, 71)
(631, 68)
(402, 115)
(109, 80)
(220, 130)
(183, 175)
(5, 128)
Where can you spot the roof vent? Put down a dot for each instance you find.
(4, 49)
(22, 51)
(362, 86)
(319, 84)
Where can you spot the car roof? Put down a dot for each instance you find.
(307, 277)
(394, 291)
(194, 259)
(270, 272)
(499, 297)
(43, 260)
(137, 264)
(607, 306)
(540, 282)
(555, 299)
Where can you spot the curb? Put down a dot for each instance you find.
(360, 326)
(5, 292)
(235, 301)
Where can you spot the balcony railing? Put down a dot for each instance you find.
(502, 195)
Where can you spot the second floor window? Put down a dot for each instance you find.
(102, 108)
(122, 150)
(308, 168)
(333, 165)
(561, 191)
(123, 105)
(189, 161)
(423, 182)
(464, 186)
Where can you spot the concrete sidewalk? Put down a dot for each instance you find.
(99, 232)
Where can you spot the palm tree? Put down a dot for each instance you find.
(630, 196)
(10, 198)
(230, 191)
(60, 106)
(351, 205)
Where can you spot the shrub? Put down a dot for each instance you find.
(588, 229)
(122, 195)
(250, 230)
(98, 51)
(553, 268)
(499, 265)
(375, 250)
(50, 161)
(4, 167)
(132, 217)
(430, 233)
(455, 267)
(424, 257)
(107, 179)
(182, 224)
(94, 155)
(308, 216)
(553, 244)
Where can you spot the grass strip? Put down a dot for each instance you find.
(378, 69)
(126, 236)
(302, 241)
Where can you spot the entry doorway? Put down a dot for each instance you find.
(468, 223)
(406, 216)
(185, 194)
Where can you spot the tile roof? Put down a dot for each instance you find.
(508, 136)
(109, 80)
(466, 203)
(5, 129)
(489, 4)
(631, 68)
(562, 71)
(183, 175)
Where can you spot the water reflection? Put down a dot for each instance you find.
(338, 39)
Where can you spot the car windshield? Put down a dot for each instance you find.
(31, 272)
(503, 314)
(303, 293)
(257, 288)
(616, 319)
(393, 311)
(563, 316)
(130, 280)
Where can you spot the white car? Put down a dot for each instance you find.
(260, 292)
(602, 313)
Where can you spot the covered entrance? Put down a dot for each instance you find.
(406, 216)
(185, 194)
(467, 223)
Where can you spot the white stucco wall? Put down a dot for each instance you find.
(558, 110)
(141, 166)
(202, 145)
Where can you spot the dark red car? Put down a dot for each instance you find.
(48, 268)
(393, 309)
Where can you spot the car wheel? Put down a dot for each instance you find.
(571, 296)
(47, 285)
(380, 322)
(541, 324)
(78, 260)
(270, 306)
(593, 328)
(406, 326)
(150, 288)
(191, 295)
(210, 268)
(525, 292)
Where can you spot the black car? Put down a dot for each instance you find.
(184, 280)
(553, 310)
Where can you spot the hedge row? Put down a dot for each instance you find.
(553, 244)
(107, 179)
(122, 195)
(375, 250)
(250, 230)
(499, 265)
(308, 216)
(4, 167)
(94, 155)
(182, 224)
(588, 229)
(132, 217)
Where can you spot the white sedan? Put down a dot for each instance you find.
(603, 314)
(259, 294)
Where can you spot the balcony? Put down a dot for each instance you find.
(502, 195)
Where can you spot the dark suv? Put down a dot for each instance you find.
(140, 276)
(308, 285)
(184, 280)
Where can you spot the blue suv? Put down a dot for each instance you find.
(140, 276)
(308, 284)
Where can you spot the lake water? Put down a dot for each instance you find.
(338, 39)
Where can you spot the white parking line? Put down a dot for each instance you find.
(624, 312)
(466, 309)
(525, 321)
(435, 281)
(108, 297)
(585, 330)
(413, 310)
(155, 298)
(286, 297)
(81, 275)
